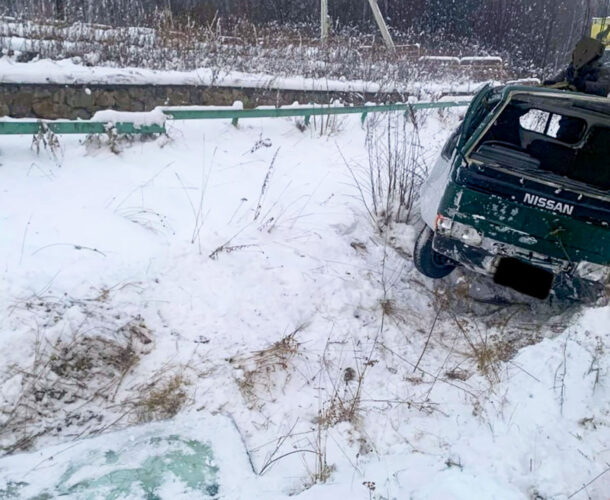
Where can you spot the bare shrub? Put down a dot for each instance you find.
(327, 125)
(396, 167)
(47, 140)
(114, 141)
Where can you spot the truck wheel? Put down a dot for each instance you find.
(428, 262)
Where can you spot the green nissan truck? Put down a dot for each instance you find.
(521, 192)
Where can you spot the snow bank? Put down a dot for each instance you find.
(440, 59)
(477, 60)
(139, 119)
(464, 61)
(66, 72)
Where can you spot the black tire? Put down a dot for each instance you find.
(428, 262)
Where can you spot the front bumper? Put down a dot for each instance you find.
(485, 259)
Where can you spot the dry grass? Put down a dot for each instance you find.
(343, 402)
(171, 44)
(72, 382)
(267, 370)
(338, 409)
(162, 399)
(115, 142)
(66, 387)
(488, 358)
(48, 141)
(485, 352)
(388, 307)
(224, 45)
(323, 470)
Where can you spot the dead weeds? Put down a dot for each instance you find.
(77, 369)
(267, 370)
(162, 399)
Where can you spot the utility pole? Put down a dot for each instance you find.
(324, 20)
(387, 38)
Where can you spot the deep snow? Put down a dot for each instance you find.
(274, 305)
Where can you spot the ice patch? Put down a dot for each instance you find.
(194, 455)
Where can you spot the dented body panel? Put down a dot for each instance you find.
(545, 232)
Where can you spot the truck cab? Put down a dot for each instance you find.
(521, 192)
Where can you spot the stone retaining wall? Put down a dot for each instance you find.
(54, 101)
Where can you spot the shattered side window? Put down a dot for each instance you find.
(566, 129)
(535, 120)
(505, 128)
(554, 126)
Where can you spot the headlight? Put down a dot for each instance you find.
(593, 272)
(469, 235)
(459, 231)
(443, 225)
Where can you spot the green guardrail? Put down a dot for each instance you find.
(90, 127)
(75, 127)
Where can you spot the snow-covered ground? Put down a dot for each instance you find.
(234, 273)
